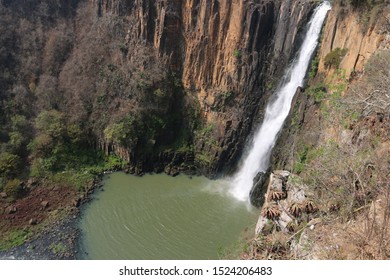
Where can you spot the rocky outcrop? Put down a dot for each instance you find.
(360, 33)
(287, 217)
(287, 200)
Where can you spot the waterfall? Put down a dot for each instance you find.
(277, 109)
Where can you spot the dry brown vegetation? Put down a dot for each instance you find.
(349, 167)
(80, 93)
(340, 147)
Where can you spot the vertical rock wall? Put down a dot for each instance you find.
(229, 55)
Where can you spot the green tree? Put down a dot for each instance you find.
(126, 132)
(9, 165)
(52, 123)
(333, 59)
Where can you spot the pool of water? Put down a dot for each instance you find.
(162, 217)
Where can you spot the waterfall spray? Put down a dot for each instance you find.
(277, 110)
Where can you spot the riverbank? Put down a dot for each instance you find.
(57, 241)
(44, 224)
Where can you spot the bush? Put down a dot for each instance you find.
(318, 92)
(237, 53)
(13, 188)
(51, 123)
(314, 67)
(334, 58)
(125, 132)
(9, 165)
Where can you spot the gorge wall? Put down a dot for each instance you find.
(336, 144)
(166, 85)
(228, 55)
(359, 33)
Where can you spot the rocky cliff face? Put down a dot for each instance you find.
(359, 33)
(228, 55)
(166, 85)
(337, 139)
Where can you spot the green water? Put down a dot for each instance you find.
(161, 217)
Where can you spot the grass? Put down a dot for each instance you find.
(13, 238)
(83, 176)
(237, 53)
(57, 248)
(203, 159)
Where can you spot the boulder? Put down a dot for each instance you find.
(3, 195)
(45, 204)
(11, 210)
(33, 221)
(31, 183)
(259, 188)
(174, 172)
(76, 202)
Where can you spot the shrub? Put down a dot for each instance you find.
(314, 67)
(13, 188)
(318, 92)
(9, 164)
(333, 58)
(237, 53)
(52, 123)
(125, 132)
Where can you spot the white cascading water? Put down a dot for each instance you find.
(277, 110)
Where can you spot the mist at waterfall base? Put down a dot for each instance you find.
(258, 156)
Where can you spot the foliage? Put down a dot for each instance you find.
(13, 239)
(271, 211)
(334, 58)
(314, 67)
(305, 156)
(139, 130)
(159, 93)
(123, 48)
(237, 53)
(203, 159)
(300, 164)
(13, 188)
(82, 175)
(57, 248)
(9, 165)
(125, 132)
(51, 123)
(58, 146)
(58, 100)
(318, 92)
